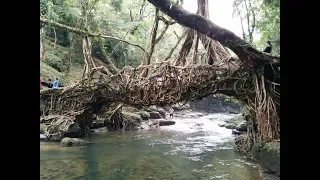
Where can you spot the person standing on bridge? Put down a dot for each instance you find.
(56, 83)
(268, 48)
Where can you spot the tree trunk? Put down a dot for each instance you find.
(250, 56)
(176, 45)
(152, 43)
(89, 63)
(185, 49)
(112, 67)
(153, 37)
(195, 49)
(41, 44)
(86, 33)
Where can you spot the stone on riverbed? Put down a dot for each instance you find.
(99, 130)
(242, 127)
(166, 123)
(145, 115)
(155, 115)
(132, 117)
(73, 142)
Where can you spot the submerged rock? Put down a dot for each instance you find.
(99, 130)
(166, 123)
(73, 142)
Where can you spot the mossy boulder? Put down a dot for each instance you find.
(268, 154)
(144, 115)
(73, 142)
(74, 131)
(132, 117)
(155, 115)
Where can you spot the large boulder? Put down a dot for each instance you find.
(74, 131)
(73, 142)
(268, 154)
(145, 115)
(155, 115)
(43, 137)
(162, 112)
(132, 117)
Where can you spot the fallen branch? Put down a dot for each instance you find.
(81, 32)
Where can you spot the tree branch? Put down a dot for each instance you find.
(250, 56)
(81, 32)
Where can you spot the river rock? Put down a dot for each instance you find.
(74, 131)
(162, 112)
(144, 115)
(99, 130)
(73, 142)
(242, 127)
(155, 115)
(180, 106)
(166, 123)
(236, 132)
(231, 126)
(43, 137)
(268, 154)
(131, 117)
(151, 108)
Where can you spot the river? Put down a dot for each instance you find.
(193, 148)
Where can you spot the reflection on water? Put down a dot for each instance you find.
(191, 149)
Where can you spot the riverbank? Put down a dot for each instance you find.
(144, 118)
(193, 148)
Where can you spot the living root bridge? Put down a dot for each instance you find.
(164, 84)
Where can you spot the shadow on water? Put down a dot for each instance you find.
(173, 152)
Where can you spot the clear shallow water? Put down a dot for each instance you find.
(194, 148)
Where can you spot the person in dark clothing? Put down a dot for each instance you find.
(47, 84)
(268, 48)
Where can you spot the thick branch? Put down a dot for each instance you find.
(153, 37)
(161, 34)
(195, 49)
(176, 45)
(81, 32)
(185, 49)
(246, 53)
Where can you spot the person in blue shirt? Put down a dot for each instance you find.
(56, 83)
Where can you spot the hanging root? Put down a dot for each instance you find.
(58, 127)
(262, 106)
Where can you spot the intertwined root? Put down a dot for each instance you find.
(166, 84)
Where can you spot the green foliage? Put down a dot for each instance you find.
(269, 25)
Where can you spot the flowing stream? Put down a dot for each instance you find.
(193, 148)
